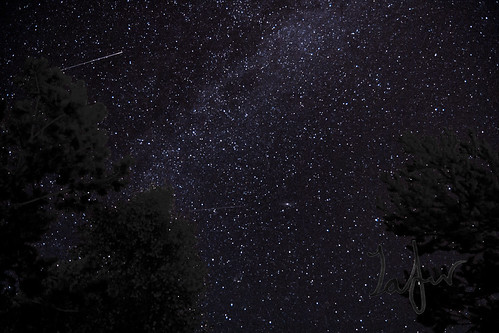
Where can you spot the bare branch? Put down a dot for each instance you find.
(42, 197)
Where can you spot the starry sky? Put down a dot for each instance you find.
(273, 120)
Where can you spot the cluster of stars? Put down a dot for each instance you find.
(273, 120)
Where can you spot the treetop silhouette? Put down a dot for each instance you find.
(446, 197)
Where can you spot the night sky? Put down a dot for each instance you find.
(273, 120)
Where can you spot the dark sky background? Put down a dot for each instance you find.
(273, 121)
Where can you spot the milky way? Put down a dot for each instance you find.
(273, 122)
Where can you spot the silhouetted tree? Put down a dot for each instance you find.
(138, 270)
(447, 198)
(53, 157)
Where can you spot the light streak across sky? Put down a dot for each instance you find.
(93, 60)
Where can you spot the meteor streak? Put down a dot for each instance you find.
(94, 60)
(214, 209)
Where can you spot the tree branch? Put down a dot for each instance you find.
(45, 127)
(114, 176)
(51, 305)
(42, 197)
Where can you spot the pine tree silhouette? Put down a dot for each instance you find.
(53, 157)
(137, 270)
(447, 199)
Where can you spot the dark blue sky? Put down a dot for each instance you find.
(273, 122)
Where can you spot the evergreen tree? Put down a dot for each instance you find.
(138, 270)
(446, 197)
(53, 157)
(137, 267)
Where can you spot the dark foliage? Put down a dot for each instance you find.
(53, 158)
(447, 198)
(138, 270)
